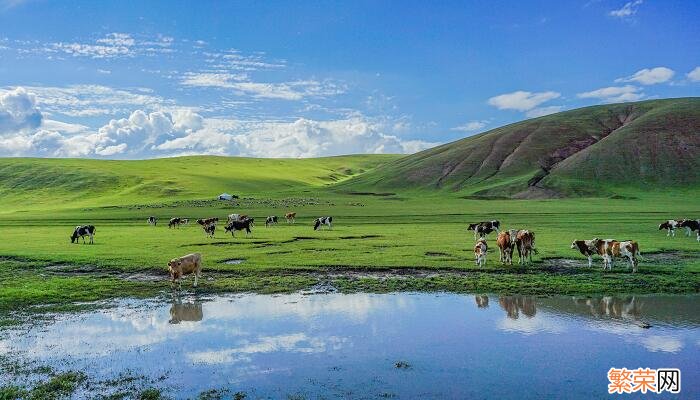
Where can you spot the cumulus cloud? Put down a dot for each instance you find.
(649, 76)
(522, 100)
(471, 126)
(18, 111)
(614, 94)
(542, 111)
(694, 75)
(628, 10)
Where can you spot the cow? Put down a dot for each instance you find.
(290, 217)
(323, 221)
(525, 244)
(587, 248)
(505, 243)
(483, 228)
(81, 231)
(189, 264)
(234, 226)
(626, 249)
(185, 221)
(209, 230)
(271, 220)
(153, 221)
(691, 225)
(480, 250)
(670, 226)
(234, 217)
(208, 221)
(174, 222)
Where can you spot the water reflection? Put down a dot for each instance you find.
(350, 343)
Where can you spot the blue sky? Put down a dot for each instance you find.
(303, 79)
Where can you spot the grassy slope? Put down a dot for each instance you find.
(640, 144)
(45, 184)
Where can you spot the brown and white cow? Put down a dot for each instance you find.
(480, 250)
(587, 248)
(290, 217)
(506, 244)
(626, 249)
(525, 244)
(185, 265)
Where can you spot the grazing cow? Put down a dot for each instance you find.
(239, 226)
(209, 230)
(323, 221)
(185, 221)
(670, 226)
(174, 222)
(290, 217)
(208, 221)
(626, 249)
(480, 250)
(271, 220)
(505, 243)
(81, 231)
(587, 248)
(483, 228)
(690, 226)
(189, 264)
(153, 221)
(525, 243)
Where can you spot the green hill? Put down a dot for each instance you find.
(588, 151)
(27, 183)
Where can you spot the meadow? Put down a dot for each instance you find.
(410, 240)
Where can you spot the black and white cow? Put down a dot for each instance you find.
(271, 220)
(153, 221)
(234, 226)
(323, 221)
(174, 222)
(209, 230)
(670, 225)
(483, 228)
(691, 225)
(81, 231)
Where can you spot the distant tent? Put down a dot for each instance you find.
(226, 196)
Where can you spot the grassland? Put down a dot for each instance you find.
(380, 242)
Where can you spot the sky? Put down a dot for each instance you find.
(132, 79)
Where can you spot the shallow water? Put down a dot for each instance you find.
(347, 346)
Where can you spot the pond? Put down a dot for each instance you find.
(400, 345)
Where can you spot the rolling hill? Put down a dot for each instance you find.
(590, 151)
(28, 183)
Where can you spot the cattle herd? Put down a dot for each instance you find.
(507, 241)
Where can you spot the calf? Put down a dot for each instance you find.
(525, 243)
(153, 221)
(234, 226)
(271, 220)
(505, 243)
(323, 221)
(81, 231)
(480, 250)
(690, 226)
(174, 222)
(586, 247)
(670, 226)
(290, 217)
(209, 230)
(189, 264)
(484, 228)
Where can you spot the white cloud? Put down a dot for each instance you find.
(294, 90)
(521, 100)
(628, 10)
(614, 94)
(648, 76)
(18, 111)
(694, 75)
(471, 126)
(542, 111)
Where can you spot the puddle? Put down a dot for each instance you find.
(234, 261)
(401, 345)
